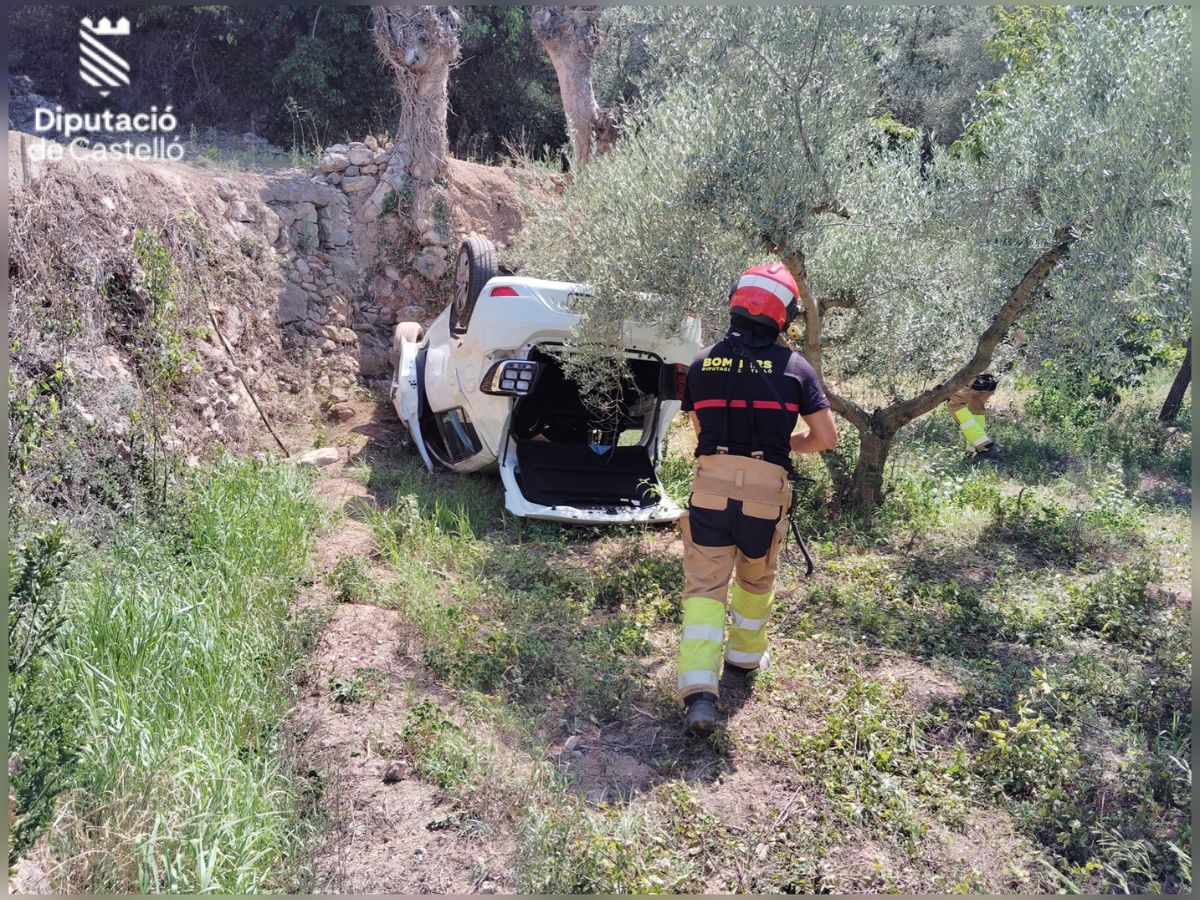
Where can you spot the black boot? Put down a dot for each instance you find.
(701, 716)
(991, 452)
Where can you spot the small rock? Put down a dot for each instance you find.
(341, 414)
(361, 156)
(239, 212)
(333, 162)
(358, 184)
(395, 772)
(431, 267)
(322, 456)
(373, 361)
(351, 171)
(26, 877)
(433, 236)
(293, 305)
(571, 744)
(371, 142)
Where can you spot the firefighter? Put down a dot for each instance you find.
(968, 406)
(744, 394)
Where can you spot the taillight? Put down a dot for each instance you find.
(511, 378)
(504, 291)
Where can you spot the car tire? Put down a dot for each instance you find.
(474, 267)
(405, 331)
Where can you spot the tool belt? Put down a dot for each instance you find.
(743, 478)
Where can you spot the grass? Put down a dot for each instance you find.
(1033, 589)
(178, 651)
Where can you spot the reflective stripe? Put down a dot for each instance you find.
(703, 633)
(742, 657)
(741, 404)
(741, 621)
(763, 664)
(767, 284)
(697, 678)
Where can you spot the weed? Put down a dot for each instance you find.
(1114, 606)
(389, 204)
(568, 847)
(351, 581)
(178, 649)
(349, 690)
(1046, 528)
(42, 716)
(870, 758)
(442, 751)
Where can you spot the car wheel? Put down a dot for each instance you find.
(405, 331)
(474, 267)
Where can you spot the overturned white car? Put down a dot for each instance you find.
(485, 389)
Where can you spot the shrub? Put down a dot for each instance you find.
(42, 714)
(1046, 528)
(1114, 606)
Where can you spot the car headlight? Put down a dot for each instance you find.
(511, 378)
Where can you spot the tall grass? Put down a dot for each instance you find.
(178, 648)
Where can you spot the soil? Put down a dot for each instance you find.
(377, 835)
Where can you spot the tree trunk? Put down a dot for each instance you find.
(878, 428)
(1183, 377)
(571, 37)
(420, 43)
(866, 486)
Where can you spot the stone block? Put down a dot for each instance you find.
(293, 305)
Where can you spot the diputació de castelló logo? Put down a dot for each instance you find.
(148, 135)
(99, 65)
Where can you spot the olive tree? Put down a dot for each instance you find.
(571, 37)
(420, 44)
(913, 266)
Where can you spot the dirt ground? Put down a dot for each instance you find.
(382, 830)
(378, 827)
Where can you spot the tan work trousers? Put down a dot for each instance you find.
(733, 528)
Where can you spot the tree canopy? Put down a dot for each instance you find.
(773, 142)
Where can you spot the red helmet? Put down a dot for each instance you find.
(766, 294)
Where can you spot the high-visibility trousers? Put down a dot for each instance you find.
(967, 406)
(733, 528)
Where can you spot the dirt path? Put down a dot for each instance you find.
(379, 827)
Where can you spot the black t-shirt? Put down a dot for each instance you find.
(771, 395)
